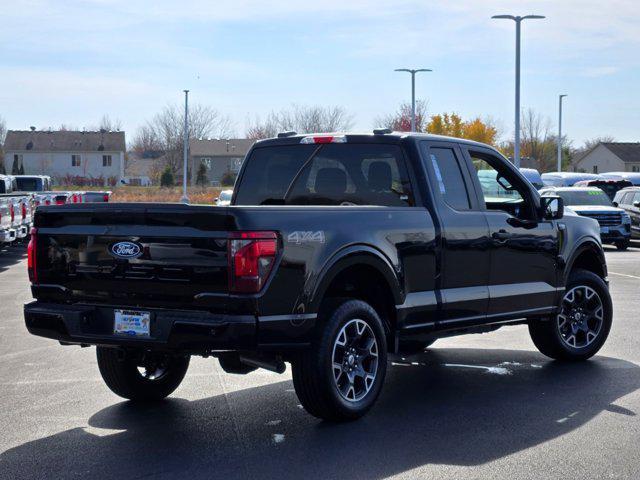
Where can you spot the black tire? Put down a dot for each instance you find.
(120, 372)
(313, 373)
(547, 336)
(623, 245)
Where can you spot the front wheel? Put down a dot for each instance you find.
(622, 245)
(582, 324)
(141, 376)
(341, 375)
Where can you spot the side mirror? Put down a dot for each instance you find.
(636, 204)
(615, 204)
(552, 207)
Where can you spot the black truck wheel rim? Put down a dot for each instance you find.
(581, 317)
(355, 360)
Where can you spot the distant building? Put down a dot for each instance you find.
(96, 156)
(141, 168)
(218, 156)
(610, 157)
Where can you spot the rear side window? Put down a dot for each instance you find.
(449, 177)
(332, 174)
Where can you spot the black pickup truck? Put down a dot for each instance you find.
(336, 251)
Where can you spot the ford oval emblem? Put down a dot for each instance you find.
(126, 250)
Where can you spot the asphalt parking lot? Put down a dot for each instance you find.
(481, 406)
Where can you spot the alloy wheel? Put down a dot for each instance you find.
(581, 317)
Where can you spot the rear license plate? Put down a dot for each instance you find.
(131, 322)
(604, 229)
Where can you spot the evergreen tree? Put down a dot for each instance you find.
(21, 169)
(167, 179)
(201, 177)
(15, 168)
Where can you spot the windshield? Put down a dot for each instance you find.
(585, 197)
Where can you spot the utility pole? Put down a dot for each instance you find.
(560, 97)
(518, 20)
(185, 153)
(413, 91)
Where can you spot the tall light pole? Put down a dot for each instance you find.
(185, 198)
(518, 20)
(413, 91)
(560, 97)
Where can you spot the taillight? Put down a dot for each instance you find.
(12, 213)
(31, 256)
(74, 198)
(251, 259)
(24, 210)
(61, 200)
(105, 197)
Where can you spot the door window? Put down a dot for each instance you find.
(449, 177)
(501, 188)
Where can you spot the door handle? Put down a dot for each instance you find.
(501, 236)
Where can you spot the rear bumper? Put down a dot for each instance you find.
(184, 330)
(7, 236)
(22, 231)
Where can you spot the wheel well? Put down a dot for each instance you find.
(589, 260)
(366, 283)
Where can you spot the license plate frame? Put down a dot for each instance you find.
(132, 323)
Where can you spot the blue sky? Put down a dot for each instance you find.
(73, 61)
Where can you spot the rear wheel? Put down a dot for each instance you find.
(143, 376)
(340, 376)
(582, 324)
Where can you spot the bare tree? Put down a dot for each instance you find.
(302, 119)
(593, 142)
(109, 125)
(400, 120)
(164, 132)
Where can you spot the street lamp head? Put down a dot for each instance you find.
(506, 17)
(563, 95)
(533, 17)
(423, 70)
(402, 70)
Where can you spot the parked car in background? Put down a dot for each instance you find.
(19, 206)
(615, 223)
(7, 184)
(95, 196)
(7, 232)
(32, 183)
(224, 198)
(633, 177)
(629, 200)
(566, 179)
(533, 176)
(610, 186)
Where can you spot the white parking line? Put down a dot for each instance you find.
(624, 275)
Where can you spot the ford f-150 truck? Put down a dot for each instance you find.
(336, 251)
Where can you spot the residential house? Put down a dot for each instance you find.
(610, 157)
(218, 156)
(95, 157)
(141, 168)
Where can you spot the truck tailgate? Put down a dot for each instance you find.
(133, 253)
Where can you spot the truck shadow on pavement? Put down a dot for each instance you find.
(447, 406)
(11, 254)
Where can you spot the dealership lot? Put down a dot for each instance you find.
(479, 406)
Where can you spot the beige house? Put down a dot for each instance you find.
(610, 157)
(218, 156)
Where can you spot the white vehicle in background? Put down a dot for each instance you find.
(633, 177)
(32, 183)
(7, 233)
(566, 179)
(224, 199)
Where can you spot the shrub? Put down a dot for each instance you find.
(228, 179)
(167, 179)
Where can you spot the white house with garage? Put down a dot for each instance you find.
(98, 157)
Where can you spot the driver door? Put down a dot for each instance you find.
(524, 249)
